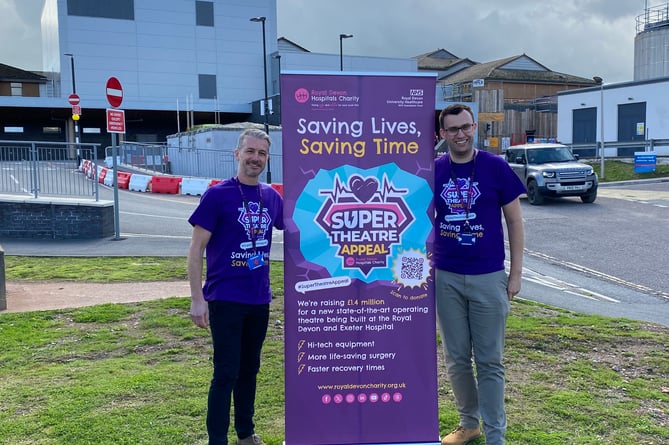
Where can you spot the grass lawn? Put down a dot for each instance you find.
(624, 171)
(139, 373)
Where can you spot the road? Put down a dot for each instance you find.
(605, 258)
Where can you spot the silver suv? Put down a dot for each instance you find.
(552, 170)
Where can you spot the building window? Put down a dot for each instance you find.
(13, 129)
(207, 86)
(204, 13)
(118, 9)
(16, 88)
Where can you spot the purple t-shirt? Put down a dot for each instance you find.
(232, 212)
(493, 185)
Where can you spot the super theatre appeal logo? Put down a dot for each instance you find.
(458, 196)
(256, 221)
(364, 218)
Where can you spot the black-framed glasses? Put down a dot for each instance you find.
(466, 128)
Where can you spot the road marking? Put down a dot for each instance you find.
(564, 286)
(597, 274)
(16, 181)
(146, 235)
(180, 218)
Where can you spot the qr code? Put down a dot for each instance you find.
(412, 268)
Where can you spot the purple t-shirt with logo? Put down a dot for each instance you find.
(240, 226)
(493, 185)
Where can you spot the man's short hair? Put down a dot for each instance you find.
(454, 109)
(254, 133)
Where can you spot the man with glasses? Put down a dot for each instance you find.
(473, 190)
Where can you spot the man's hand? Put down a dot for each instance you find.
(513, 287)
(199, 313)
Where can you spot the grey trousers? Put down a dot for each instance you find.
(472, 312)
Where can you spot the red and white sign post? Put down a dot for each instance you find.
(114, 92)
(115, 118)
(115, 121)
(73, 99)
(115, 124)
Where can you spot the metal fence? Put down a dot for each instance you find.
(620, 149)
(203, 163)
(150, 157)
(41, 169)
(189, 162)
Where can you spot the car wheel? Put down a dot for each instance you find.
(533, 195)
(589, 198)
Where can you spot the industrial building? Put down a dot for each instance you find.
(626, 117)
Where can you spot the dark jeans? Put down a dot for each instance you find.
(238, 332)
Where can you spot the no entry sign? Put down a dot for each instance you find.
(73, 99)
(114, 92)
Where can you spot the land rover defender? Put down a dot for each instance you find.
(552, 170)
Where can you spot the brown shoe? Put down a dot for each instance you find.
(253, 439)
(461, 436)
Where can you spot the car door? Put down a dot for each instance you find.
(517, 160)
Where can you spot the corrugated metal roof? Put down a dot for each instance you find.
(519, 68)
(13, 74)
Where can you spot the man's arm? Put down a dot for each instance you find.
(199, 310)
(514, 226)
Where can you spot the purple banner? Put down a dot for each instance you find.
(359, 288)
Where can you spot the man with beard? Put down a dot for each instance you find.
(233, 223)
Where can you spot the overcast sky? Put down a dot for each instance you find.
(579, 37)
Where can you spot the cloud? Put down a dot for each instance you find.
(20, 33)
(579, 37)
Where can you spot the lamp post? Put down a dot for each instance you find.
(76, 120)
(278, 59)
(74, 91)
(600, 81)
(266, 104)
(341, 49)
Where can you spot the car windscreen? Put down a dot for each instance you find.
(546, 155)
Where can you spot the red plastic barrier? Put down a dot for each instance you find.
(123, 179)
(103, 173)
(215, 181)
(165, 184)
(278, 188)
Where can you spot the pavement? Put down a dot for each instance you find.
(24, 296)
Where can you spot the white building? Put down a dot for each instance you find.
(627, 117)
(636, 118)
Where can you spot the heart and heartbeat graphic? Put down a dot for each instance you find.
(363, 189)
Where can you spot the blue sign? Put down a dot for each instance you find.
(644, 161)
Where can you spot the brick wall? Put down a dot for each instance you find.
(55, 219)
